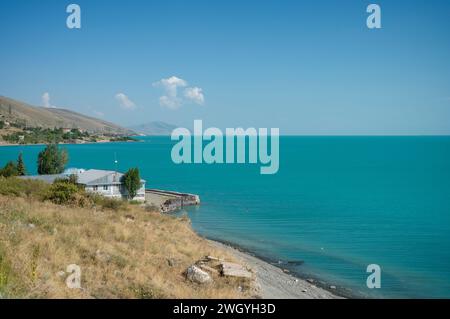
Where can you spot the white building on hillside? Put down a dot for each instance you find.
(105, 183)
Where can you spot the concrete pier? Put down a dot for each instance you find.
(169, 201)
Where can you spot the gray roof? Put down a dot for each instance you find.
(89, 177)
(44, 178)
(99, 177)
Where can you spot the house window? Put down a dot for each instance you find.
(105, 187)
(95, 188)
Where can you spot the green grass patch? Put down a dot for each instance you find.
(13, 186)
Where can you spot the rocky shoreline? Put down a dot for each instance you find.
(274, 283)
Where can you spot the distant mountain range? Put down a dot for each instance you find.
(153, 128)
(33, 116)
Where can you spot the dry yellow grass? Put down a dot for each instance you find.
(129, 253)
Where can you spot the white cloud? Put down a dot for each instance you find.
(171, 100)
(195, 95)
(124, 101)
(46, 100)
(170, 86)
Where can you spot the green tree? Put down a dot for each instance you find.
(132, 182)
(21, 170)
(52, 160)
(9, 170)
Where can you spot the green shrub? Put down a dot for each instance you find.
(147, 292)
(10, 169)
(14, 169)
(106, 202)
(13, 186)
(62, 193)
(111, 203)
(71, 179)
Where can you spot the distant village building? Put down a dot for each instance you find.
(66, 130)
(105, 183)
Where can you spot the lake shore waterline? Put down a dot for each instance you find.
(6, 144)
(274, 283)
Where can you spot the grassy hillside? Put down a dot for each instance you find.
(124, 251)
(31, 116)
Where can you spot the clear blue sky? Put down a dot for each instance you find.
(307, 67)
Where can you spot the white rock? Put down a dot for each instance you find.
(208, 269)
(195, 274)
(234, 270)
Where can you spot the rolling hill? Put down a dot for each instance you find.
(32, 116)
(153, 128)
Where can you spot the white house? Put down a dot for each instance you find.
(105, 183)
(108, 183)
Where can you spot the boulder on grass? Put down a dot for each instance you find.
(195, 274)
(234, 270)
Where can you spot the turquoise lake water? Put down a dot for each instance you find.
(337, 203)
